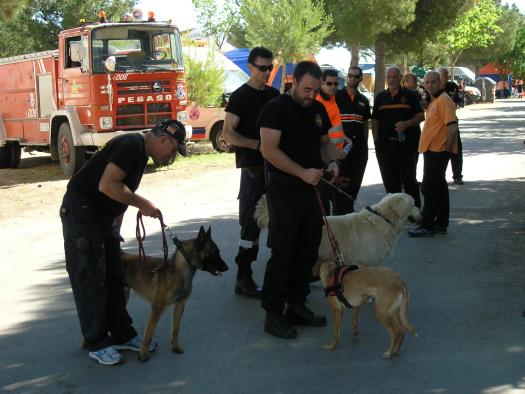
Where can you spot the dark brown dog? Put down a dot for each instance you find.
(173, 284)
(383, 284)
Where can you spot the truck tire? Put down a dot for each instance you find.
(15, 153)
(5, 156)
(71, 157)
(217, 138)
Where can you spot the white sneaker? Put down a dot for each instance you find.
(107, 356)
(135, 344)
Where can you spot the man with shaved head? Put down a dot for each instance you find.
(395, 127)
(438, 141)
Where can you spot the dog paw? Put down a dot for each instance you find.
(387, 355)
(330, 346)
(143, 357)
(177, 349)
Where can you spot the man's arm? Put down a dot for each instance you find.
(329, 154)
(270, 139)
(405, 124)
(112, 185)
(231, 122)
(452, 136)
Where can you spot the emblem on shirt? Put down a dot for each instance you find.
(318, 120)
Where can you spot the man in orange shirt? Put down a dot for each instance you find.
(326, 96)
(438, 141)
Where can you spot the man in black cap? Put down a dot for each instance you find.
(91, 212)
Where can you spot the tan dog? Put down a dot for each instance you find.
(173, 284)
(391, 301)
(366, 237)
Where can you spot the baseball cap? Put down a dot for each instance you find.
(175, 129)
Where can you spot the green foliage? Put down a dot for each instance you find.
(9, 8)
(292, 29)
(36, 26)
(510, 22)
(514, 60)
(217, 22)
(204, 80)
(476, 29)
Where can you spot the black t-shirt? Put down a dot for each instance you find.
(390, 110)
(453, 91)
(353, 114)
(301, 130)
(128, 153)
(247, 102)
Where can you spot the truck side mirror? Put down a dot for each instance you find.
(77, 51)
(110, 63)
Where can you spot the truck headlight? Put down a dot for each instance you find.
(106, 122)
(182, 116)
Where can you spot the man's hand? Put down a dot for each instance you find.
(401, 126)
(148, 209)
(333, 168)
(312, 176)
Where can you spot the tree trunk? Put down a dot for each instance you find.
(380, 66)
(354, 52)
(406, 70)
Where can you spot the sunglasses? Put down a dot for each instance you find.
(263, 68)
(354, 76)
(330, 83)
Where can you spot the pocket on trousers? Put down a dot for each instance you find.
(91, 254)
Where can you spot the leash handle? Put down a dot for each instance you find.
(140, 233)
(333, 241)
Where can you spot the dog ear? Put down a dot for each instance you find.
(208, 233)
(201, 237)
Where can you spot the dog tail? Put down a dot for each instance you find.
(261, 213)
(403, 312)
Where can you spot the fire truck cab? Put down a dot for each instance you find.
(105, 79)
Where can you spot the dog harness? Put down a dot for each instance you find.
(335, 283)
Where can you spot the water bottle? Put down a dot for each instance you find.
(347, 148)
(401, 136)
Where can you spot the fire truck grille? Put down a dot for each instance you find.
(130, 109)
(133, 115)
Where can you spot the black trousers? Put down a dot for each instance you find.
(456, 161)
(435, 190)
(251, 189)
(397, 164)
(353, 167)
(294, 236)
(92, 249)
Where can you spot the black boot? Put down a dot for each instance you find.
(244, 284)
(277, 325)
(302, 316)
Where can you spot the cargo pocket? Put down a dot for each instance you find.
(91, 254)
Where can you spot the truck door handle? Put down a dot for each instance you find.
(66, 80)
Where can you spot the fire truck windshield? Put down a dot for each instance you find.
(136, 48)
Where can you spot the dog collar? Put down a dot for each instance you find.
(370, 209)
(180, 247)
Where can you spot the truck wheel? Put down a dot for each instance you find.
(217, 138)
(71, 157)
(5, 155)
(15, 153)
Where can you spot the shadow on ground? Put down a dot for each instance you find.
(467, 295)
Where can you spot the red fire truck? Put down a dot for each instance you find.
(105, 79)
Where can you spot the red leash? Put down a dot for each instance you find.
(333, 242)
(140, 233)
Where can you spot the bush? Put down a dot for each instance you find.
(204, 80)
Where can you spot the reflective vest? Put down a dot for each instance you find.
(335, 133)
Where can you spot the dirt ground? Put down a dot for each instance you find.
(39, 183)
